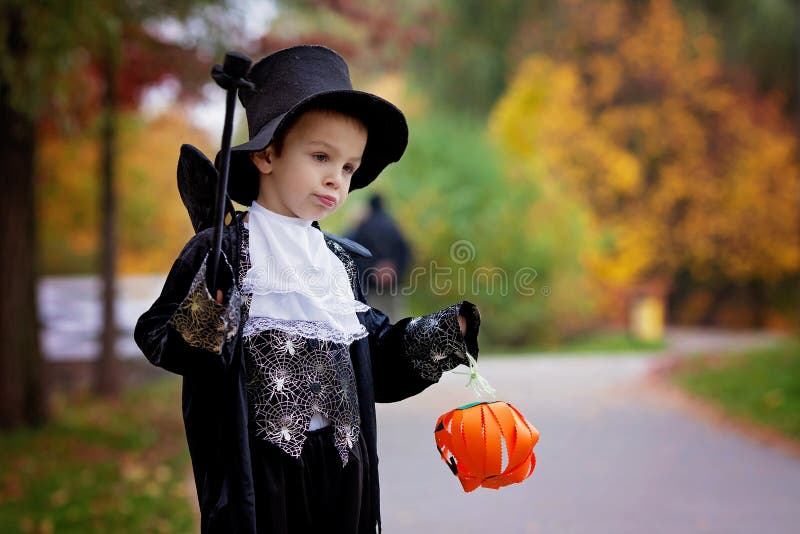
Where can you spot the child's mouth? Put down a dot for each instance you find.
(327, 200)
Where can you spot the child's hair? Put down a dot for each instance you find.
(280, 135)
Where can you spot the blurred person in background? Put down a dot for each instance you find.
(383, 272)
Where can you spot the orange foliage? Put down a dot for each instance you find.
(152, 222)
(633, 113)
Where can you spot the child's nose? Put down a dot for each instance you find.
(333, 179)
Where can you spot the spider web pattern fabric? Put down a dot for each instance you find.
(434, 343)
(201, 321)
(244, 266)
(291, 377)
(347, 260)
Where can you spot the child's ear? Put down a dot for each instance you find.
(263, 159)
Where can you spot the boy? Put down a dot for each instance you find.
(281, 371)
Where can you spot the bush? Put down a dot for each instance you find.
(511, 243)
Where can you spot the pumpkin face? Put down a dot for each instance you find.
(487, 444)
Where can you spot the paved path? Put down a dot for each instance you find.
(70, 313)
(615, 456)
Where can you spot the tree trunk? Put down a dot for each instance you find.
(759, 303)
(22, 398)
(107, 372)
(797, 137)
(719, 295)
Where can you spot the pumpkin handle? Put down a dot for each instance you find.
(479, 385)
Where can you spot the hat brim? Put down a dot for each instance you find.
(387, 138)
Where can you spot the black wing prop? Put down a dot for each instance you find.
(197, 185)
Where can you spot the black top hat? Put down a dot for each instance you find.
(300, 78)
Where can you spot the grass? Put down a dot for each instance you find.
(761, 386)
(100, 466)
(600, 342)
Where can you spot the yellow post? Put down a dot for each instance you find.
(647, 318)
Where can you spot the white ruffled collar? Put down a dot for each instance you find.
(275, 217)
(297, 283)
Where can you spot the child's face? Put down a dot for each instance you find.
(310, 178)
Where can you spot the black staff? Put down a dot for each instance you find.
(230, 76)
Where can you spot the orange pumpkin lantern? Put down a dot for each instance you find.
(472, 439)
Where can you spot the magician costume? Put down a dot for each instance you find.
(280, 380)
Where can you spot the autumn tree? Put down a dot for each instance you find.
(121, 81)
(21, 393)
(153, 225)
(41, 43)
(682, 168)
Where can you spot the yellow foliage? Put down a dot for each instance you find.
(155, 225)
(679, 167)
(152, 222)
(394, 88)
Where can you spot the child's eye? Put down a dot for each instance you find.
(349, 169)
(320, 157)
